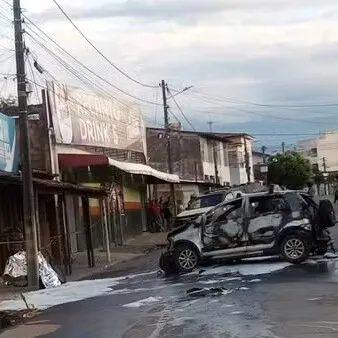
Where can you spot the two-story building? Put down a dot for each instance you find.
(202, 160)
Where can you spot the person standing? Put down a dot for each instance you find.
(167, 214)
(336, 194)
(157, 216)
(311, 189)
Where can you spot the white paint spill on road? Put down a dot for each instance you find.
(215, 281)
(236, 313)
(314, 299)
(142, 302)
(245, 269)
(68, 293)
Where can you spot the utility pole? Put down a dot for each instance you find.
(324, 164)
(214, 150)
(325, 174)
(167, 136)
(283, 147)
(247, 161)
(26, 168)
(263, 152)
(215, 154)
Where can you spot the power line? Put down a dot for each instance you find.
(262, 114)
(80, 63)
(33, 74)
(98, 51)
(231, 100)
(179, 108)
(175, 116)
(7, 3)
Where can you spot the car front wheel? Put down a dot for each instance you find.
(186, 258)
(294, 248)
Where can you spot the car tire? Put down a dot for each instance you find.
(295, 248)
(186, 258)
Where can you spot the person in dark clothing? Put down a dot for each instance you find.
(167, 213)
(336, 194)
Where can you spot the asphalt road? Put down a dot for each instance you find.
(265, 299)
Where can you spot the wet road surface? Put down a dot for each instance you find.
(256, 298)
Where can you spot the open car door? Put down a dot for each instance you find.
(223, 229)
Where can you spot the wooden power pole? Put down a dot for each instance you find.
(26, 168)
(247, 161)
(167, 137)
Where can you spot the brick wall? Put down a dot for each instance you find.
(186, 153)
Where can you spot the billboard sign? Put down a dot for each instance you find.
(84, 118)
(8, 159)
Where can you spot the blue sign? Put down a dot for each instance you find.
(8, 158)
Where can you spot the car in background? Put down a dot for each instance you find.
(287, 223)
(207, 201)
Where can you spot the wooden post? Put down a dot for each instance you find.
(106, 229)
(37, 218)
(68, 263)
(89, 242)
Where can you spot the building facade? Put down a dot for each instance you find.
(202, 160)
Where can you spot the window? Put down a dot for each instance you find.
(229, 211)
(210, 151)
(265, 204)
(225, 156)
(233, 159)
(207, 201)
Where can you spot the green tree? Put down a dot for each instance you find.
(290, 169)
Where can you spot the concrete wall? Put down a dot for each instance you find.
(222, 159)
(324, 146)
(186, 153)
(238, 173)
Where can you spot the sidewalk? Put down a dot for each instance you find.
(134, 248)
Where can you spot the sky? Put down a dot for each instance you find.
(257, 66)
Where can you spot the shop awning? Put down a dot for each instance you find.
(143, 169)
(74, 158)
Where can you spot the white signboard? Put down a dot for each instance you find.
(83, 118)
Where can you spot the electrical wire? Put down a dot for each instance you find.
(85, 80)
(7, 3)
(231, 100)
(33, 75)
(264, 115)
(5, 18)
(181, 111)
(83, 65)
(176, 118)
(98, 51)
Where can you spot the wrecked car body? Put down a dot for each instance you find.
(287, 223)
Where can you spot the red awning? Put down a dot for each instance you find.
(82, 160)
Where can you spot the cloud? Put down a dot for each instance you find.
(176, 10)
(270, 51)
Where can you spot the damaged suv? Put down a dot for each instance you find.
(287, 223)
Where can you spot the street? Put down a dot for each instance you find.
(257, 298)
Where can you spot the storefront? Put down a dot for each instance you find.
(101, 142)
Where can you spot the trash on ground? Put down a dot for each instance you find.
(212, 292)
